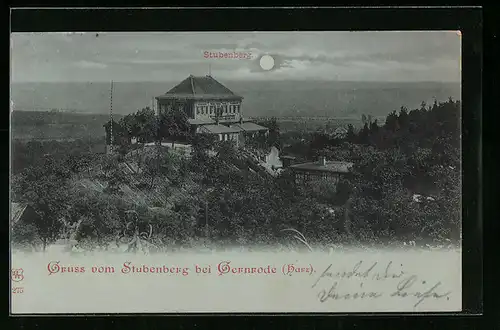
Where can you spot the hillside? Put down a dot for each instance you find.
(261, 98)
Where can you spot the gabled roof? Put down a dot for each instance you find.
(330, 166)
(17, 211)
(219, 129)
(250, 127)
(200, 88)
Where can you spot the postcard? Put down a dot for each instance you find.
(235, 172)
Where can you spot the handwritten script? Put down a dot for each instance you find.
(373, 281)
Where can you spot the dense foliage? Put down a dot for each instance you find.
(405, 186)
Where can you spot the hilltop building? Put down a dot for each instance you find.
(211, 108)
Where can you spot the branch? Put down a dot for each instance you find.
(302, 238)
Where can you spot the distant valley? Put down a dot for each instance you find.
(344, 102)
(261, 98)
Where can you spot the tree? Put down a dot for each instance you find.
(45, 188)
(147, 127)
(391, 122)
(403, 118)
(174, 124)
(363, 119)
(201, 144)
(364, 134)
(273, 138)
(101, 216)
(131, 124)
(374, 131)
(78, 163)
(120, 133)
(351, 135)
(25, 235)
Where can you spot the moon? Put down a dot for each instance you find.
(266, 62)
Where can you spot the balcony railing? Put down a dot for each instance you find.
(223, 117)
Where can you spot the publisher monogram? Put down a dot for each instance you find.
(17, 274)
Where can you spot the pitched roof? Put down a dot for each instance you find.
(200, 88)
(330, 166)
(340, 130)
(250, 127)
(219, 129)
(17, 211)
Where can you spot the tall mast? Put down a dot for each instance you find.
(111, 116)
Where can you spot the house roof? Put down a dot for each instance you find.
(17, 211)
(250, 127)
(194, 87)
(219, 129)
(330, 166)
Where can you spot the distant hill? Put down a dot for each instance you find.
(58, 125)
(261, 98)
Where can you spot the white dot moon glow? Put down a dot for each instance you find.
(266, 62)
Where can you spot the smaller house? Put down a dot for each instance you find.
(22, 213)
(330, 171)
(340, 133)
(287, 160)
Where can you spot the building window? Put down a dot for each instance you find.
(197, 111)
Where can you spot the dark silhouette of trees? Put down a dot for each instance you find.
(44, 187)
(173, 125)
(351, 134)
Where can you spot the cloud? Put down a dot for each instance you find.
(90, 65)
(431, 56)
(138, 61)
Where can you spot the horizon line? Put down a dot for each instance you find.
(242, 80)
